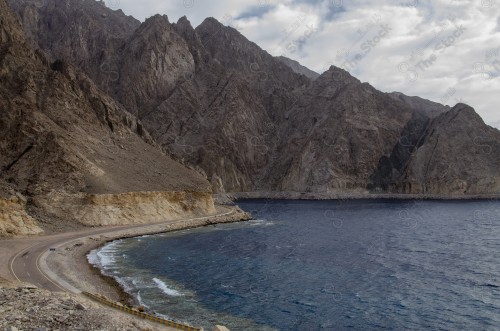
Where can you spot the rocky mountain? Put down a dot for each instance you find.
(65, 143)
(458, 154)
(252, 122)
(337, 133)
(298, 68)
(427, 107)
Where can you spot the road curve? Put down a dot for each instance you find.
(24, 260)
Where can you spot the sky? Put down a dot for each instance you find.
(446, 51)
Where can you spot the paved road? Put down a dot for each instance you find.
(20, 258)
(24, 264)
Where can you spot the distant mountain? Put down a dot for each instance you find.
(429, 108)
(253, 123)
(298, 68)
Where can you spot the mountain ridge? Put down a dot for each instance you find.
(298, 68)
(70, 154)
(219, 102)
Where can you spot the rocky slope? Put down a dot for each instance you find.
(427, 107)
(458, 154)
(337, 132)
(298, 68)
(250, 121)
(62, 138)
(14, 220)
(24, 307)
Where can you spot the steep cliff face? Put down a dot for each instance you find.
(84, 33)
(153, 61)
(222, 118)
(60, 135)
(337, 133)
(250, 121)
(458, 154)
(208, 107)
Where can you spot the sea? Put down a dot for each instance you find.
(323, 265)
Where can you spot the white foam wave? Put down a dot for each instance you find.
(104, 257)
(141, 302)
(261, 223)
(165, 289)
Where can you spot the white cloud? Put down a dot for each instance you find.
(420, 55)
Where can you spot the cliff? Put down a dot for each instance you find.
(253, 122)
(61, 138)
(457, 155)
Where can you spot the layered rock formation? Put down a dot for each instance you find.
(127, 208)
(253, 122)
(14, 220)
(337, 133)
(458, 154)
(61, 136)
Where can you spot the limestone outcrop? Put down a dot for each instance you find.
(14, 220)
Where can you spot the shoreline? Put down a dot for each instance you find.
(290, 195)
(71, 264)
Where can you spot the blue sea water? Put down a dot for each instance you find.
(324, 265)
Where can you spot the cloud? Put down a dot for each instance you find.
(255, 11)
(443, 50)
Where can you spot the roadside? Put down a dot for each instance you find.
(58, 263)
(69, 261)
(25, 307)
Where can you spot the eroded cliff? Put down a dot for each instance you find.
(63, 139)
(252, 122)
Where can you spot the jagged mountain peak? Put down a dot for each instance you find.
(184, 21)
(61, 129)
(458, 154)
(210, 23)
(185, 28)
(333, 80)
(464, 109)
(220, 102)
(338, 74)
(157, 19)
(463, 115)
(234, 51)
(213, 33)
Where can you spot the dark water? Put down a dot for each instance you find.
(325, 265)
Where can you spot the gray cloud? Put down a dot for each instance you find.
(255, 11)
